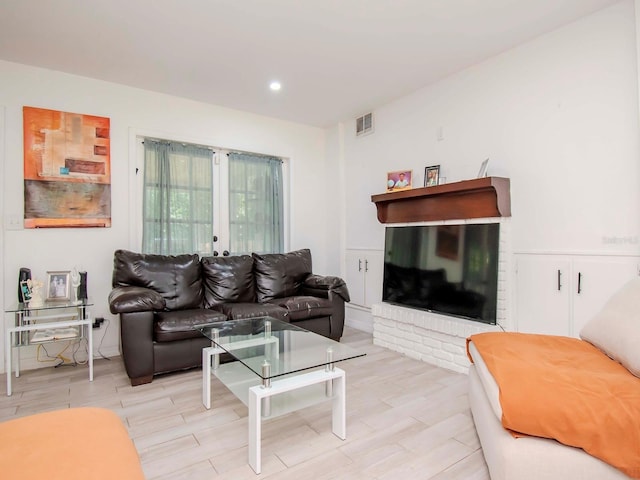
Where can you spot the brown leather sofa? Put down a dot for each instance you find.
(160, 298)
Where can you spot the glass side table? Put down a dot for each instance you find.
(50, 322)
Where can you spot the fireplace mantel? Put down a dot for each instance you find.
(477, 198)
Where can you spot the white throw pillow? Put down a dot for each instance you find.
(616, 328)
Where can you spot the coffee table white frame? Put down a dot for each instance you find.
(258, 401)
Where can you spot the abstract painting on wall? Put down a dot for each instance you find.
(67, 169)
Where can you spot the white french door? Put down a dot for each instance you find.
(220, 221)
(215, 239)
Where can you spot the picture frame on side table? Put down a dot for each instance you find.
(400, 180)
(483, 168)
(431, 175)
(58, 286)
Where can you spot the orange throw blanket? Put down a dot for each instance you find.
(566, 389)
(72, 444)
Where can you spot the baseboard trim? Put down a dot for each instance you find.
(359, 318)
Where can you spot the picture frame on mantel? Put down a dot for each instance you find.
(431, 176)
(399, 180)
(483, 168)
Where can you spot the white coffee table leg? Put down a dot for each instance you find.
(207, 354)
(255, 430)
(258, 393)
(339, 407)
(206, 377)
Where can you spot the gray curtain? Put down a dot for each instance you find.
(177, 199)
(255, 204)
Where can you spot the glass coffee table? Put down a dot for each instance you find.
(278, 368)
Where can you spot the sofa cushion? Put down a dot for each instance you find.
(305, 307)
(176, 278)
(228, 280)
(180, 324)
(615, 330)
(240, 311)
(281, 275)
(564, 388)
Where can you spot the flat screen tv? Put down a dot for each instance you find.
(448, 269)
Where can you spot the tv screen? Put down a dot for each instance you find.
(448, 269)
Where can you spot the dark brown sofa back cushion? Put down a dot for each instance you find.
(176, 278)
(228, 280)
(280, 275)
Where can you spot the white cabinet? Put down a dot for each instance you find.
(558, 294)
(364, 276)
(597, 280)
(542, 304)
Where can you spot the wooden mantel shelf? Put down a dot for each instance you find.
(477, 198)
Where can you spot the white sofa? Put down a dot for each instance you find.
(616, 332)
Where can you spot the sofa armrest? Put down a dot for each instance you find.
(136, 337)
(135, 299)
(320, 286)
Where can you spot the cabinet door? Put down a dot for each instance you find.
(595, 280)
(373, 278)
(354, 276)
(542, 294)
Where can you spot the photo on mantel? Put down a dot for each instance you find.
(400, 180)
(483, 168)
(431, 176)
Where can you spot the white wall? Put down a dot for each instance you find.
(334, 199)
(132, 109)
(558, 115)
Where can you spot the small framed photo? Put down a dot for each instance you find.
(400, 180)
(431, 175)
(58, 286)
(483, 168)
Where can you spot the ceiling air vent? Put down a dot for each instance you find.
(364, 124)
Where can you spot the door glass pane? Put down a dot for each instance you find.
(255, 204)
(177, 199)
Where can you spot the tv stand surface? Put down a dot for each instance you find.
(478, 198)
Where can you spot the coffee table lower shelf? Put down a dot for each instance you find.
(284, 395)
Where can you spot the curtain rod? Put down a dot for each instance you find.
(212, 149)
(184, 144)
(270, 157)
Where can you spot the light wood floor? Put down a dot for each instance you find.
(405, 419)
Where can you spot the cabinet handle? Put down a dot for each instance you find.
(579, 282)
(359, 265)
(559, 284)
(366, 265)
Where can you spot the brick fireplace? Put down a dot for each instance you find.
(441, 339)
(436, 338)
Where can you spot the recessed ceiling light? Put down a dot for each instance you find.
(275, 86)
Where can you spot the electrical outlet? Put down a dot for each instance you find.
(97, 322)
(13, 222)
